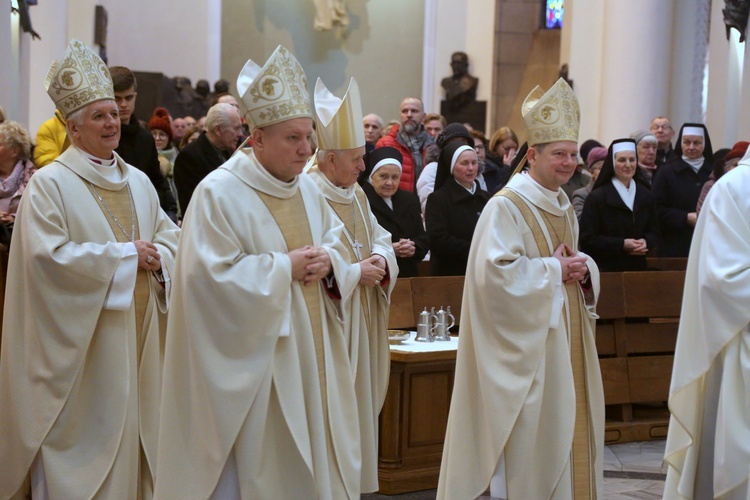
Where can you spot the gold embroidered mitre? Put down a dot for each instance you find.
(81, 78)
(551, 116)
(338, 122)
(276, 92)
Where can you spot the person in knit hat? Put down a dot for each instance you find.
(160, 126)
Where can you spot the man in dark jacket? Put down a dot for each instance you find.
(211, 149)
(137, 146)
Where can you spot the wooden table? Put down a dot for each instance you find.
(415, 416)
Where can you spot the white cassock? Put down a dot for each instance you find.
(366, 314)
(528, 387)
(81, 356)
(708, 445)
(258, 395)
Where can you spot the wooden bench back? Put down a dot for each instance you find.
(411, 295)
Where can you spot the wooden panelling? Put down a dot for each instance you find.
(435, 292)
(429, 403)
(649, 378)
(645, 338)
(402, 310)
(651, 294)
(605, 339)
(611, 302)
(615, 380)
(666, 264)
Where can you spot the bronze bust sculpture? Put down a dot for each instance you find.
(461, 88)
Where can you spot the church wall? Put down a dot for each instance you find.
(174, 37)
(143, 35)
(46, 20)
(381, 48)
(11, 64)
(387, 48)
(460, 26)
(685, 71)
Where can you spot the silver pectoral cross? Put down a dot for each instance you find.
(356, 246)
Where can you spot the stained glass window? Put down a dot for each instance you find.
(553, 15)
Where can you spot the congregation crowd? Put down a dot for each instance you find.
(647, 188)
(273, 239)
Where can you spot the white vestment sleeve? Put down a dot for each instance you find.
(162, 277)
(120, 294)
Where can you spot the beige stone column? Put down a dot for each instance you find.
(619, 58)
(725, 74)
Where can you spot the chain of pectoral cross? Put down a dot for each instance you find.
(352, 236)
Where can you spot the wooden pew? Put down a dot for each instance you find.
(636, 336)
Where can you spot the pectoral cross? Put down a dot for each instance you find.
(356, 246)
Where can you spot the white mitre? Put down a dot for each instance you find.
(276, 92)
(80, 79)
(338, 122)
(551, 116)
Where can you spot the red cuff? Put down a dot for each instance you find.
(387, 278)
(331, 287)
(586, 284)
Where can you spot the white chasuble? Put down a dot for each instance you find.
(708, 444)
(366, 314)
(527, 386)
(79, 384)
(256, 369)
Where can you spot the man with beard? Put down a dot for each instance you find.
(411, 139)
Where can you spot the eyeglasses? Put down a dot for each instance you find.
(661, 127)
(477, 148)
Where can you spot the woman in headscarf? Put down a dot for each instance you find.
(677, 186)
(453, 210)
(619, 223)
(16, 169)
(398, 211)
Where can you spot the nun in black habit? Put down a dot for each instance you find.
(677, 186)
(618, 223)
(398, 211)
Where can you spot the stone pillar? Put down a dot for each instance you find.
(458, 26)
(9, 88)
(744, 121)
(725, 73)
(619, 59)
(581, 48)
(50, 20)
(689, 39)
(635, 65)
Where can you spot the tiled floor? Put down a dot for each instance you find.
(631, 471)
